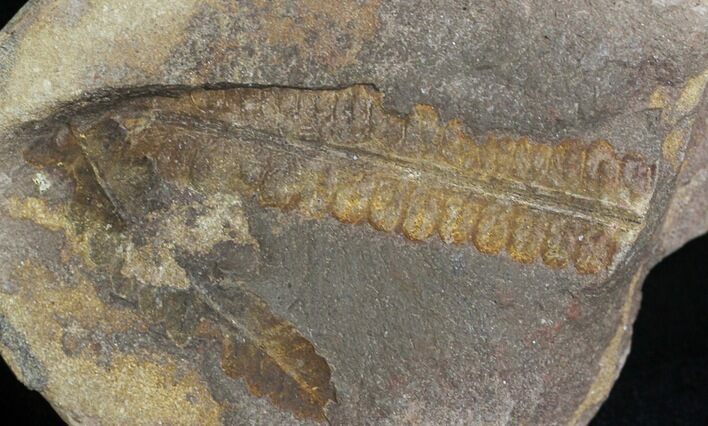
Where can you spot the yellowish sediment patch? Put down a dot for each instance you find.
(688, 99)
(137, 388)
(104, 35)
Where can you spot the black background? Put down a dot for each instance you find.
(665, 380)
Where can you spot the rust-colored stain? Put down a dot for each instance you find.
(339, 153)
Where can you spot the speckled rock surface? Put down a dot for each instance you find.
(357, 212)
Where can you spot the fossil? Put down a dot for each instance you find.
(157, 184)
(340, 212)
(269, 353)
(340, 153)
(175, 167)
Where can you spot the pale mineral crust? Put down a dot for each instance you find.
(355, 212)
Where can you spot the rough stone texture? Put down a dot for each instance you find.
(687, 216)
(136, 287)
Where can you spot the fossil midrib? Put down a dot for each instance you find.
(534, 197)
